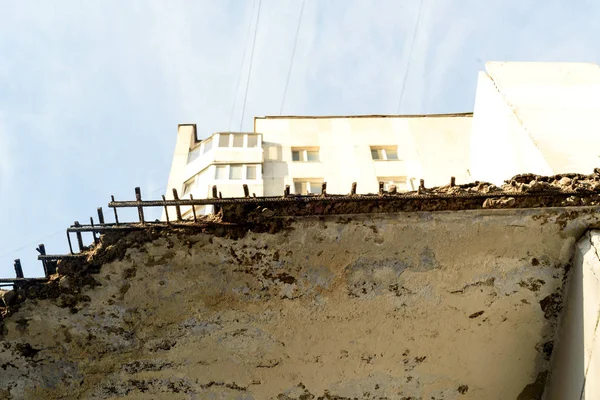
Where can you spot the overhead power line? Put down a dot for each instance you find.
(410, 50)
(237, 86)
(31, 244)
(287, 82)
(250, 67)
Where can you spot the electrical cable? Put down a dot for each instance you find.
(292, 60)
(412, 44)
(237, 86)
(250, 67)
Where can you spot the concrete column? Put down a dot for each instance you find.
(186, 137)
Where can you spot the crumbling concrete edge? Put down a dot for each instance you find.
(75, 276)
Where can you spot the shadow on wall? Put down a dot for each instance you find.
(567, 376)
(275, 170)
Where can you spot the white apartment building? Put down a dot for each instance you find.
(303, 152)
(541, 118)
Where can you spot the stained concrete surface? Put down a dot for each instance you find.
(442, 305)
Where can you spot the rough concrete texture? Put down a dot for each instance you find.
(521, 191)
(446, 305)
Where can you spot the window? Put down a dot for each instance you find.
(236, 172)
(193, 154)
(251, 172)
(188, 186)
(252, 140)
(306, 187)
(398, 181)
(223, 140)
(238, 140)
(207, 145)
(221, 172)
(305, 155)
(384, 153)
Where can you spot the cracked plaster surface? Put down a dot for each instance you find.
(415, 305)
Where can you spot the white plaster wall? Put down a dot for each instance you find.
(575, 371)
(431, 148)
(500, 145)
(541, 118)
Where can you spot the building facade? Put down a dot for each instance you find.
(541, 118)
(305, 152)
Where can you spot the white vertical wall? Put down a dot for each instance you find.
(575, 370)
(541, 118)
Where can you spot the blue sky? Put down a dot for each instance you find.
(91, 92)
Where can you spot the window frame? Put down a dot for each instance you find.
(237, 138)
(247, 141)
(401, 182)
(188, 185)
(303, 154)
(228, 170)
(194, 153)
(231, 139)
(307, 183)
(235, 167)
(226, 173)
(382, 153)
(247, 167)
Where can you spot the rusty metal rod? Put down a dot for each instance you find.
(177, 207)
(137, 226)
(42, 250)
(17, 280)
(138, 198)
(246, 190)
(18, 269)
(54, 257)
(193, 208)
(79, 237)
(100, 216)
(93, 232)
(114, 209)
(347, 198)
(353, 189)
(69, 240)
(166, 209)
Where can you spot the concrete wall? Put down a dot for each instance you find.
(429, 147)
(576, 362)
(443, 305)
(541, 118)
